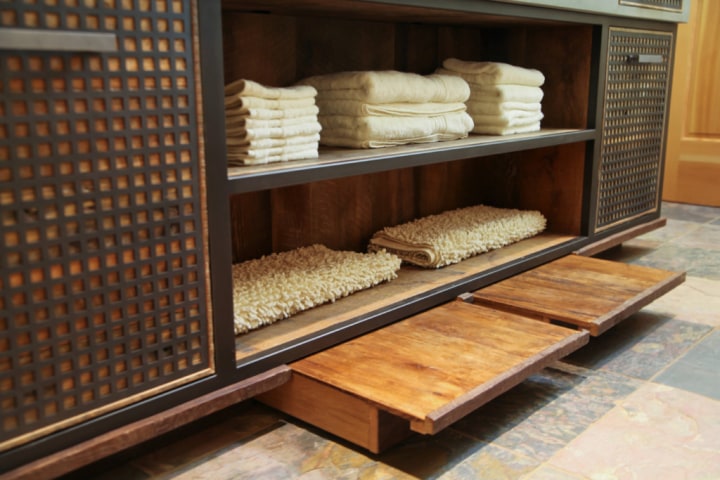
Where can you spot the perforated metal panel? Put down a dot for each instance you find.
(634, 125)
(672, 5)
(103, 282)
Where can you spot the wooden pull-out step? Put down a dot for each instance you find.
(589, 293)
(420, 374)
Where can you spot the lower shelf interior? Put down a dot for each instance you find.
(411, 282)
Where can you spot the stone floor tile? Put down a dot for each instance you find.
(492, 462)
(698, 370)
(691, 213)
(696, 300)
(658, 432)
(641, 346)
(288, 452)
(548, 472)
(705, 237)
(698, 262)
(538, 417)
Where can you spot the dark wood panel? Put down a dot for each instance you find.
(564, 57)
(259, 47)
(251, 225)
(341, 214)
(339, 45)
(547, 179)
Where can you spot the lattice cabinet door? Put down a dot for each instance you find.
(104, 285)
(634, 122)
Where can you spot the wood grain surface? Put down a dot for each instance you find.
(591, 293)
(437, 366)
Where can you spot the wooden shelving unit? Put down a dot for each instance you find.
(121, 220)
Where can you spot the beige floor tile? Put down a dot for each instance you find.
(697, 300)
(658, 432)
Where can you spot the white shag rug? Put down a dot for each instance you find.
(449, 237)
(279, 285)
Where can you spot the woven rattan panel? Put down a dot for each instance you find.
(634, 125)
(674, 5)
(103, 283)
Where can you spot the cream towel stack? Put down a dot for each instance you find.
(270, 124)
(371, 109)
(504, 99)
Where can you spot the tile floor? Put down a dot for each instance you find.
(640, 402)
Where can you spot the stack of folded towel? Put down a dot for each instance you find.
(270, 124)
(370, 109)
(504, 99)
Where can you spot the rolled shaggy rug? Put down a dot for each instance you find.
(439, 240)
(279, 285)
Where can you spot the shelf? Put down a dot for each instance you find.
(412, 285)
(343, 162)
(410, 11)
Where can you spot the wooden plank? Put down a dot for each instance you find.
(135, 433)
(437, 366)
(591, 293)
(620, 237)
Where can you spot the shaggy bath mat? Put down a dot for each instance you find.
(279, 285)
(439, 240)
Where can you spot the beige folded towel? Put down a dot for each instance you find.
(512, 118)
(506, 93)
(499, 130)
(389, 86)
(271, 113)
(439, 240)
(495, 73)
(250, 88)
(307, 128)
(497, 108)
(262, 157)
(373, 132)
(259, 151)
(358, 108)
(241, 102)
(236, 122)
(277, 286)
(242, 142)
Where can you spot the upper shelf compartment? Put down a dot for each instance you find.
(279, 42)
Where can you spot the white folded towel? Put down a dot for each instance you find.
(358, 108)
(235, 122)
(507, 119)
(506, 93)
(308, 128)
(498, 108)
(495, 73)
(236, 142)
(389, 86)
(271, 113)
(238, 101)
(250, 88)
(282, 154)
(499, 130)
(379, 131)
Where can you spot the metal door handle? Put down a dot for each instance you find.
(56, 40)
